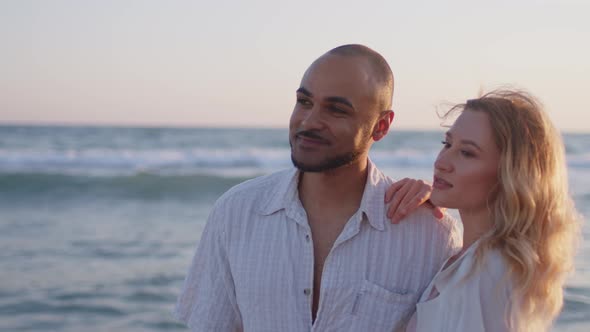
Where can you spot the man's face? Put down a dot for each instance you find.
(333, 119)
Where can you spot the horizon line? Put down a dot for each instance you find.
(206, 126)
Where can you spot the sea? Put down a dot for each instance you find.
(98, 225)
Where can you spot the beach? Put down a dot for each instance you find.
(98, 224)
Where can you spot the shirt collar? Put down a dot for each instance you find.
(283, 195)
(372, 203)
(456, 270)
(372, 207)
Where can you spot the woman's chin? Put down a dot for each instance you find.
(439, 200)
(435, 198)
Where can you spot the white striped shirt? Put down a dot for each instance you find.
(468, 300)
(253, 268)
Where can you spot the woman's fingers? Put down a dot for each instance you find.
(406, 195)
(395, 194)
(417, 194)
(437, 212)
(394, 188)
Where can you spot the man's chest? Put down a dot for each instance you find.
(368, 280)
(324, 232)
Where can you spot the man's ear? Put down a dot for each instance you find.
(382, 126)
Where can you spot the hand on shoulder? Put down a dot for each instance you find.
(406, 196)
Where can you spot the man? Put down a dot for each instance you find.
(310, 249)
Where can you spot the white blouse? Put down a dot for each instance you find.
(479, 301)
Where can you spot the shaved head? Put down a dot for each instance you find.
(381, 72)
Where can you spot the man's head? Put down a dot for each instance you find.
(343, 106)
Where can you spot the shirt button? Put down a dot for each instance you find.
(307, 291)
(307, 237)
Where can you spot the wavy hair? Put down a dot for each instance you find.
(535, 223)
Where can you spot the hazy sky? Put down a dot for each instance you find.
(238, 63)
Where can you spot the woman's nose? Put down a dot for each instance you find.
(442, 163)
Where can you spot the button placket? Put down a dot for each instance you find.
(308, 259)
(307, 291)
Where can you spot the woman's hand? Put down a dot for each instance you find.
(406, 196)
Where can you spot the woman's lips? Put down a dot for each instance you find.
(441, 184)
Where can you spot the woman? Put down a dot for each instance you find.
(502, 167)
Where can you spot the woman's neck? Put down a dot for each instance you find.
(475, 225)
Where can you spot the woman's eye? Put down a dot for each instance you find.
(466, 153)
(446, 144)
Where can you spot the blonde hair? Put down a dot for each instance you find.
(535, 223)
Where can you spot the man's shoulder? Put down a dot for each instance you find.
(379, 178)
(258, 189)
(446, 225)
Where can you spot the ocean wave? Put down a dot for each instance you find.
(111, 162)
(196, 161)
(127, 161)
(42, 307)
(23, 187)
(581, 160)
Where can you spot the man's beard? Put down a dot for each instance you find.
(329, 164)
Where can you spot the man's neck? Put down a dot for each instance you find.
(330, 199)
(338, 188)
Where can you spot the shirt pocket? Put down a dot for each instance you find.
(376, 308)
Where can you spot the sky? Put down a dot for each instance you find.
(238, 63)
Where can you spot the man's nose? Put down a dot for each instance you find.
(312, 119)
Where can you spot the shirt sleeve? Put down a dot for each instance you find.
(494, 296)
(451, 240)
(207, 301)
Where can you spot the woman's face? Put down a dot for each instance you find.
(465, 171)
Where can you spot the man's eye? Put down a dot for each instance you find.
(446, 144)
(303, 101)
(337, 110)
